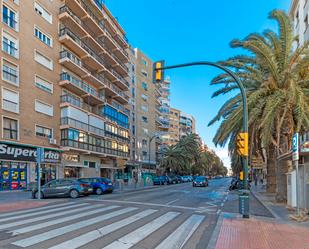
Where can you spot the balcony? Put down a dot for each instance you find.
(115, 92)
(72, 62)
(76, 7)
(69, 19)
(67, 122)
(81, 88)
(120, 108)
(72, 41)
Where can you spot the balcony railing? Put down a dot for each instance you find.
(79, 83)
(81, 125)
(66, 9)
(119, 107)
(71, 57)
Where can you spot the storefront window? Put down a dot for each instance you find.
(13, 175)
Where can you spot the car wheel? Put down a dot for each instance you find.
(99, 191)
(36, 195)
(74, 193)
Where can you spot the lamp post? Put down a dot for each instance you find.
(158, 75)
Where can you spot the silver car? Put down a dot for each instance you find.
(63, 187)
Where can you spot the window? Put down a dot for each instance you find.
(10, 128)
(145, 86)
(145, 155)
(145, 119)
(144, 142)
(144, 73)
(43, 37)
(43, 60)
(43, 131)
(44, 108)
(10, 72)
(9, 45)
(43, 84)
(144, 108)
(9, 17)
(144, 62)
(10, 100)
(144, 97)
(43, 13)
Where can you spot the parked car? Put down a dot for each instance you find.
(161, 180)
(200, 181)
(174, 179)
(186, 179)
(63, 187)
(179, 179)
(100, 185)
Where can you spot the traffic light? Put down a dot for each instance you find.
(158, 75)
(242, 144)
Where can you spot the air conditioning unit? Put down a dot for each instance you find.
(52, 141)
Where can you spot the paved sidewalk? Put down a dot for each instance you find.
(238, 233)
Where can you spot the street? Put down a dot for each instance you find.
(174, 216)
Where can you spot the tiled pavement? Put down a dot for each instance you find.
(238, 233)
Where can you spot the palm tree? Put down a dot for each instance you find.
(276, 78)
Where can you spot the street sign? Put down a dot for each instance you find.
(295, 147)
(40, 155)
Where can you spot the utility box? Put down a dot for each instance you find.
(244, 204)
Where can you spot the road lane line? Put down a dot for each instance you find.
(169, 203)
(33, 240)
(101, 232)
(62, 220)
(141, 233)
(42, 212)
(44, 217)
(182, 234)
(34, 209)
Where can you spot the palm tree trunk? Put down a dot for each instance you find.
(271, 170)
(282, 169)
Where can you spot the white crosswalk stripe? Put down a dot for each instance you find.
(45, 217)
(182, 234)
(141, 233)
(33, 240)
(60, 226)
(51, 209)
(93, 235)
(65, 219)
(34, 209)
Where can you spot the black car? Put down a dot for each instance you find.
(174, 179)
(179, 179)
(200, 181)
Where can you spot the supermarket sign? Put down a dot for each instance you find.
(17, 152)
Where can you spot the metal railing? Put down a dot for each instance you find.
(71, 57)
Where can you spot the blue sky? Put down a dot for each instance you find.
(183, 31)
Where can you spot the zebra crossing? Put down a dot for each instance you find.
(85, 225)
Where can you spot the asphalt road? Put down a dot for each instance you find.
(174, 216)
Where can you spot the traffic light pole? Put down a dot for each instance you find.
(245, 110)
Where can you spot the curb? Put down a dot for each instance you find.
(214, 237)
(257, 196)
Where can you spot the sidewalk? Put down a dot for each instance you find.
(269, 226)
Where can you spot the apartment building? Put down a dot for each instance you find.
(146, 101)
(64, 88)
(174, 129)
(186, 124)
(299, 13)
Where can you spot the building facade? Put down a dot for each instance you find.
(64, 87)
(299, 13)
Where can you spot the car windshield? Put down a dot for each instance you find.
(200, 178)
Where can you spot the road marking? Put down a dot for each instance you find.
(35, 209)
(66, 229)
(219, 211)
(96, 234)
(34, 213)
(62, 220)
(44, 217)
(182, 234)
(169, 203)
(222, 204)
(151, 204)
(141, 233)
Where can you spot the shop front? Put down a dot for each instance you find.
(18, 166)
